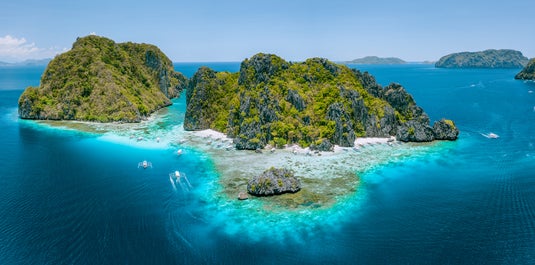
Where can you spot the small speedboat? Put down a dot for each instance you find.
(181, 180)
(179, 153)
(491, 135)
(144, 164)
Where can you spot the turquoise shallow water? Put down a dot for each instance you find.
(73, 197)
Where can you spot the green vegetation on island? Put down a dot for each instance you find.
(315, 103)
(377, 60)
(100, 80)
(274, 181)
(483, 59)
(528, 73)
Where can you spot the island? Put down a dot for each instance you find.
(274, 181)
(528, 73)
(377, 60)
(484, 59)
(103, 81)
(29, 62)
(315, 103)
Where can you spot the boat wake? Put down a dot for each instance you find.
(172, 182)
(180, 179)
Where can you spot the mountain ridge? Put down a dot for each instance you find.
(377, 60)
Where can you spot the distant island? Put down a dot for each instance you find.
(483, 59)
(103, 81)
(528, 73)
(315, 104)
(29, 62)
(377, 60)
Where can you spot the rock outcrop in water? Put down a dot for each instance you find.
(445, 130)
(100, 80)
(315, 103)
(274, 181)
(528, 73)
(483, 59)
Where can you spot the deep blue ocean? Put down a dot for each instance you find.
(72, 197)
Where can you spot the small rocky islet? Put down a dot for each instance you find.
(274, 181)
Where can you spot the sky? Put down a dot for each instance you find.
(232, 30)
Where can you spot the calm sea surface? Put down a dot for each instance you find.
(68, 197)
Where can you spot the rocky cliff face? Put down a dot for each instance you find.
(100, 80)
(445, 130)
(315, 103)
(402, 117)
(528, 73)
(484, 59)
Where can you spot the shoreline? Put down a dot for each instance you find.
(359, 142)
(326, 177)
(331, 189)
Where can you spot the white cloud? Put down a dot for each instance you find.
(13, 49)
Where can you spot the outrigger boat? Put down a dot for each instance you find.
(181, 179)
(144, 164)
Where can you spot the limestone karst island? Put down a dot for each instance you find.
(314, 103)
(269, 103)
(103, 81)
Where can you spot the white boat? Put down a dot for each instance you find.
(491, 135)
(181, 180)
(179, 152)
(144, 164)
